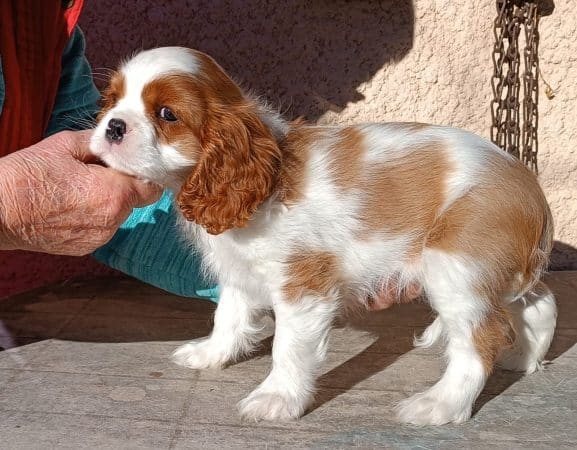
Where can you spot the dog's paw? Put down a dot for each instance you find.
(261, 405)
(200, 354)
(430, 408)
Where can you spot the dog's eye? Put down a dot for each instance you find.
(166, 114)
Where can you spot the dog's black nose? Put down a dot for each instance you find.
(115, 130)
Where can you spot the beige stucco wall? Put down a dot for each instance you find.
(352, 61)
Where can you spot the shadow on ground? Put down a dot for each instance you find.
(120, 310)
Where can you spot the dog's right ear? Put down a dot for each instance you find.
(237, 172)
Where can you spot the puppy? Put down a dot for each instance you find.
(302, 219)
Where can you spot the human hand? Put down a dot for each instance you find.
(55, 199)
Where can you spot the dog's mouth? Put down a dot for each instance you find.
(94, 160)
(98, 162)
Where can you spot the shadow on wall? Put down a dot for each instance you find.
(306, 57)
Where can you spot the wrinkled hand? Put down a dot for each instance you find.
(54, 199)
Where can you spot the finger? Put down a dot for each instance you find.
(145, 193)
(133, 192)
(137, 192)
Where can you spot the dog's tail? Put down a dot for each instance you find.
(533, 317)
(533, 313)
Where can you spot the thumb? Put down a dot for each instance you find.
(74, 143)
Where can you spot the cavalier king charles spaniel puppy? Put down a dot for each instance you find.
(303, 220)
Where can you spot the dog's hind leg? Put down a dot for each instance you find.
(475, 331)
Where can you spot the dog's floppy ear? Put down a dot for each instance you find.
(237, 171)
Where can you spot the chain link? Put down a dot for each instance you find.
(506, 129)
(530, 87)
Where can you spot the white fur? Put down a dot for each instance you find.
(300, 346)
(430, 336)
(235, 334)
(248, 264)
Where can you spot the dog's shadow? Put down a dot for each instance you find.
(373, 360)
(392, 331)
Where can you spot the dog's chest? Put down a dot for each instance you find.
(254, 255)
(244, 258)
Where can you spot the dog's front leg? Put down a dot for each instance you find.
(236, 332)
(300, 345)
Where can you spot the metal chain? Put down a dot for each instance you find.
(530, 87)
(506, 129)
(505, 105)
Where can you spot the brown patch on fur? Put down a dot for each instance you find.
(239, 162)
(493, 335)
(313, 273)
(215, 83)
(295, 150)
(404, 195)
(505, 223)
(114, 91)
(346, 158)
(180, 93)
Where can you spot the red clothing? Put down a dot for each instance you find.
(33, 35)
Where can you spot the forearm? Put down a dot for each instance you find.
(8, 205)
(6, 243)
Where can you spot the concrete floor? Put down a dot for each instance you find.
(87, 365)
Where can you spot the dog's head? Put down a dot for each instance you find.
(171, 115)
